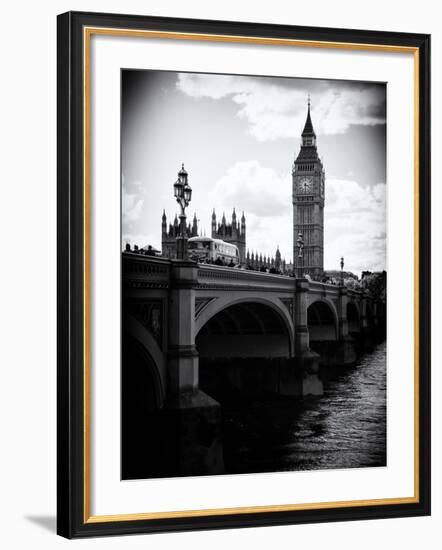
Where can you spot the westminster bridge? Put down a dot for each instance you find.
(187, 327)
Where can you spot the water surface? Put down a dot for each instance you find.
(344, 428)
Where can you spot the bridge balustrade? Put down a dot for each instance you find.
(151, 271)
(210, 274)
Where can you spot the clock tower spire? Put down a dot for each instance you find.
(308, 178)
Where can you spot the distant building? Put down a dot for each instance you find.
(234, 233)
(272, 264)
(170, 233)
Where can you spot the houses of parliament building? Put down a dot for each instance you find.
(233, 233)
(308, 198)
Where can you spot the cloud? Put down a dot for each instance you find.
(265, 234)
(355, 215)
(132, 206)
(276, 108)
(132, 202)
(355, 225)
(213, 86)
(265, 197)
(248, 185)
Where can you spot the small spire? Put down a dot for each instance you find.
(213, 215)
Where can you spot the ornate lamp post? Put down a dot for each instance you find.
(300, 245)
(342, 272)
(183, 195)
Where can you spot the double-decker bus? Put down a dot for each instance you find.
(206, 249)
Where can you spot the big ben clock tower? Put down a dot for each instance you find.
(308, 206)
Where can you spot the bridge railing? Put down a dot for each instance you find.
(329, 289)
(137, 267)
(335, 289)
(152, 271)
(219, 275)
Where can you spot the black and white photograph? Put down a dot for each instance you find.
(222, 218)
(253, 237)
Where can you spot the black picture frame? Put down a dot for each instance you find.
(72, 515)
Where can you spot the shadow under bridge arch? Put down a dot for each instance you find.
(142, 397)
(242, 346)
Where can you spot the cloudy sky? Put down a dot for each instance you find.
(238, 137)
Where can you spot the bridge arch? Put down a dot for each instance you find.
(142, 397)
(323, 328)
(322, 320)
(269, 312)
(148, 352)
(243, 347)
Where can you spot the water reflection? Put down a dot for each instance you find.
(343, 428)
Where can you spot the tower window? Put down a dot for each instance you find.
(305, 167)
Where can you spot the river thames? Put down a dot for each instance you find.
(343, 428)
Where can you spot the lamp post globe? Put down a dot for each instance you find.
(187, 194)
(177, 189)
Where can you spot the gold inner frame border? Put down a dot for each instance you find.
(88, 32)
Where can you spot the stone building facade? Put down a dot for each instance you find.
(169, 234)
(234, 232)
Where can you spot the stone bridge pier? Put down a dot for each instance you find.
(193, 418)
(339, 347)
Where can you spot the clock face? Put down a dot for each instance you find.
(305, 185)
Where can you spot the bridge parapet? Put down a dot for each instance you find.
(334, 291)
(324, 288)
(142, 271)
(218, 276)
